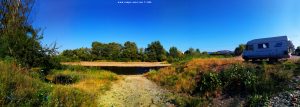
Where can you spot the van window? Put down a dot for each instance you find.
(249, 47)
(263, 46)
(278, 44)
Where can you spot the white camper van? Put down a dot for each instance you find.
(272, 48)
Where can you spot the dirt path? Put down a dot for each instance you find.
(134, 91)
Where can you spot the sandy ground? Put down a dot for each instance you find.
(134, 91)
(119, 64)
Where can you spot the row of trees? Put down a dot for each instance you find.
(129, 51)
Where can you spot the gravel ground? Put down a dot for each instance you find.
(288, 98)
(134, 91)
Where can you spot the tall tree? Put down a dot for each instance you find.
(130, 51)
(174, 52)
(155, 52)
(113, 50)
(98, 50)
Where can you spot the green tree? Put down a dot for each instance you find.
(98, 50)
(141, 55)
(112, 51)
(155, 52)
(69, 55)
(174, 54)
(190, 52)
(240, 49)
(130, 51)
(18, 39)
(84, 54)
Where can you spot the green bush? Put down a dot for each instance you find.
(170, 80)
(208, 83)
(239, 79)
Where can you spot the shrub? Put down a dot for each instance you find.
(239, 79)
(209, 84)
(170, 80)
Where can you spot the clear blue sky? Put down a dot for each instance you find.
(209, 25)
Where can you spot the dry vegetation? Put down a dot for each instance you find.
(214, 77)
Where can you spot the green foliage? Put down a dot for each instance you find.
(192, 52)
(18, 38)
(239, 79)
(174, 55)
(170, 80)
(130, 51)
(155, 52)
(240, 49)
(83, 54)
(208, 83)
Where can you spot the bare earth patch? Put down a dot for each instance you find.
(134, 91)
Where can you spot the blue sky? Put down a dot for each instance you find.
(209, 25)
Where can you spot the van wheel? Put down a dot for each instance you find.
(246, 59)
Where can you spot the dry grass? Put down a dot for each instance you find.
(91, 85)
(210, 64)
